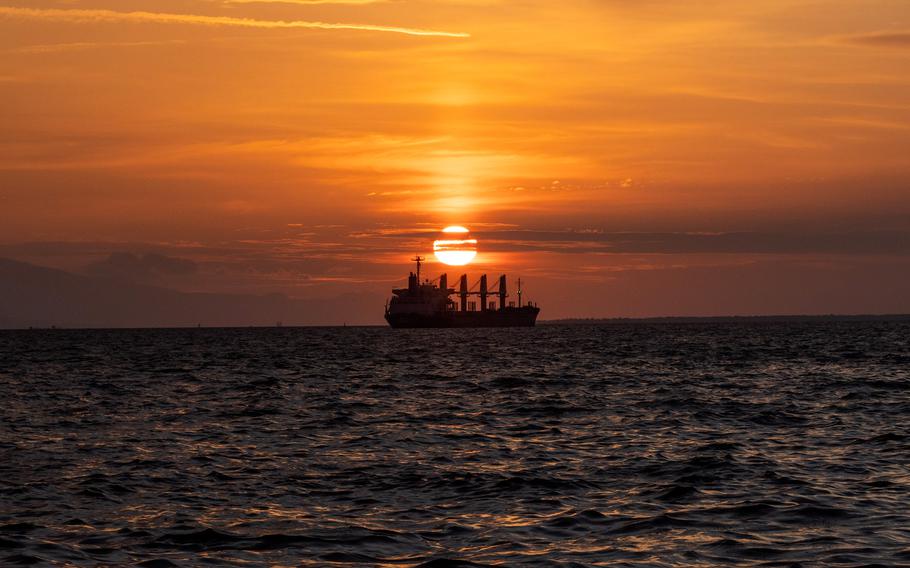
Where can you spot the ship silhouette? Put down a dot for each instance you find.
(429, 304)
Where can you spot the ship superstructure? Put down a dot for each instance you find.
(430, 304)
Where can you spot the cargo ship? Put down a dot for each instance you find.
(429, 304)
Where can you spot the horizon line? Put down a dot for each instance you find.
(573, 321)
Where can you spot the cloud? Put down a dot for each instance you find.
(585, 241)
(869, 242)
(146, 267)
(304, 2)
(110, 16)
(881, 39)
(84, 45)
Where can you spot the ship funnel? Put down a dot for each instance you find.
(483, 292)
(444, 282)
(463, 292)
(412, 283)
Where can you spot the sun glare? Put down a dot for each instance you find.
(456, 247)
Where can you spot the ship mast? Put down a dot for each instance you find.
(519, 292)
(418, 259)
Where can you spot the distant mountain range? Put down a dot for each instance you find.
(34, 296)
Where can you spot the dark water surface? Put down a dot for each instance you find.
(756, 444)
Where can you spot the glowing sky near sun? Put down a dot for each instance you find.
(638, 151)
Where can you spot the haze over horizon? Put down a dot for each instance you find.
(624, 159)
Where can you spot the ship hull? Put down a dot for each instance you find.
(509, 317)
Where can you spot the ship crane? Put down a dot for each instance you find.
(501, 290)
(418, 259)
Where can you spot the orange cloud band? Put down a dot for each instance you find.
(303, 2)
(111, 16)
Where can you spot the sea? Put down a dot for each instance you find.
(749, 443)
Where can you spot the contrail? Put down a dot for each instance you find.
(110, 16)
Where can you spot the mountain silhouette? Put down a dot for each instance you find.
(35, 296)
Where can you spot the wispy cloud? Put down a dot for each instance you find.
(881, 39)
(83, 45)
(596, 241)
(111, 16)
(303, 2)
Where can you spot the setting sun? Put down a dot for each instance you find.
(456, 248)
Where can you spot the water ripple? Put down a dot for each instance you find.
(747, 444)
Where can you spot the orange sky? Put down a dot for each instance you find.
(627, 158)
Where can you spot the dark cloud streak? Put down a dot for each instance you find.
(881, 39)
(884, 242)
(588, 241)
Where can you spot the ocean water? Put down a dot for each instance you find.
(728, 444)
